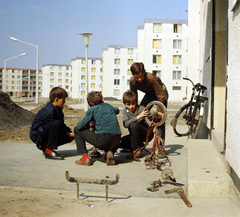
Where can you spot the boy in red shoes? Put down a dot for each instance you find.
(133, 119)
(48, 129)
(107, 130)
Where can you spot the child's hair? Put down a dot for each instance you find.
(94, 98)
(129, 96)
(57, 92)
(137, 68)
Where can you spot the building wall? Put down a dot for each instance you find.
(164, 68)
(117, 58)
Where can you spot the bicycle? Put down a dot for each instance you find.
(188, 120)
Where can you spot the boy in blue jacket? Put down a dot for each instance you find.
(107, 130)
(48, 130)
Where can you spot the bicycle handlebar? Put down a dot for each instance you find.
(197, 86)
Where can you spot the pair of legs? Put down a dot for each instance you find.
(103, 141)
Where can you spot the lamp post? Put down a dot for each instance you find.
(5, 63)
(14, 39)
(86, 43)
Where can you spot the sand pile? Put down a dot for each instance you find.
(13, 116)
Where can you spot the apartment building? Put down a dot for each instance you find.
(19, 82)
(117, 60)
(54, 75)
(162, 47)
(80, 75)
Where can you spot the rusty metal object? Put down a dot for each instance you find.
(106, 182)
(159, 183)
(167, 174)
(181, 194)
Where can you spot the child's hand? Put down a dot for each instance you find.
(144, 113)
(160, 115)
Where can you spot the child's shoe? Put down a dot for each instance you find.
(86, 162)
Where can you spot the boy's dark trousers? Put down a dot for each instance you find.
(102, 141)
(55, 134)
(138, 134)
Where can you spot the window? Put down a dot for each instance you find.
(101, 78)
(52, 73)
(157, 73)
(82, 93)
(67, 80)
(82, 77)
(116, 81)
(117, 61)
(129, 72)
(93, 77)
(130, 51)
(93, 62)
(177, 44)
(117, 51)
(128, 82)
(157, 43)
(60, 80)
(92, 85)
(83, 61)
(157, 27)
(177, 59)
(176, 75)
(82, 84)
(67, 87)
(12, 82)
(19, 71)
(157, 59)
(6, 76)
(67, 74)
(60, 74)
(130, 61)
(93, 70)
(83, 69)
(13, 76)
(176, 87)
(40, 77)
(51, 67)
(51, 86)
(18, 77)
(116, 71)
(116, 92)
(177, 28)
(60, 67)
(51, 80)
(13, 87)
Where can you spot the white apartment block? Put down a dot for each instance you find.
(162, 47)
(117, 60)
(19, 82)
(79, 76)
(54, 75)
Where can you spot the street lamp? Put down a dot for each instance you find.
(14, 39)
(86, 43)
(5, 62)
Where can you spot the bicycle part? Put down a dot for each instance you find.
(195, 125)
(167, 175)
(95, 154)
(156, 106)
(181, 120)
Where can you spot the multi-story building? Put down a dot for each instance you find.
(79, 76)
(20, 82)
(116, 69)
(54, 75)
(162, 47)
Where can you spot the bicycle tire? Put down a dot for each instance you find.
(159, 105)
(180, 121)
(197, 123)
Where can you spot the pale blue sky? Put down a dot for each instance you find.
(55, 26)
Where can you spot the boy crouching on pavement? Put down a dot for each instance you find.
(48, 130)
(107, 130)
(133, 119)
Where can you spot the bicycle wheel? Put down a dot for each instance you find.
(181, 120)
(155, 106)
(197, 121)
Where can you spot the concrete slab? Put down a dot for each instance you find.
(207, 176)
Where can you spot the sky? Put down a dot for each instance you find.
(55, 27)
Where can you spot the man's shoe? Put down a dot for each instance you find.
(86, 162)
(54, 156)
(136, 155)
(110, 158)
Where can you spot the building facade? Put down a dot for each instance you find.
(163, 48)
(20, 82)
(116, 69)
